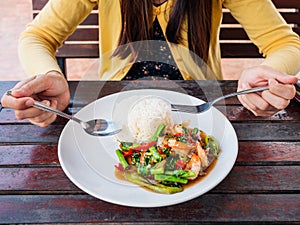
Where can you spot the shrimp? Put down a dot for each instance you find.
(173, 143)
(202, 155)
(194, 165)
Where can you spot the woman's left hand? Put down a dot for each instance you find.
(266, 103)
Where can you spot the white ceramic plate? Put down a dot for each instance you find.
(89, 161)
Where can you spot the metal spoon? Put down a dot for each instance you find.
(96, 127)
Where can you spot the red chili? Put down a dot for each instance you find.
(178, 135)
(180, 164)
(144, 146)
(127, 153)
(119, 167)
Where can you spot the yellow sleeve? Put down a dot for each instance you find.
(46, 33)
(269, 32)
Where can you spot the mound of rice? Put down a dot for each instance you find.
(145, 117)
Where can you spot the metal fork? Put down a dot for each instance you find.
(207, 105)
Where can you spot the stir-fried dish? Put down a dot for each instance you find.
(169, 160)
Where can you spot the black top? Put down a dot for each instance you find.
(165, 68)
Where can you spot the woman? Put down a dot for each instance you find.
(191, 25)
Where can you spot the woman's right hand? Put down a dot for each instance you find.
(51, 88)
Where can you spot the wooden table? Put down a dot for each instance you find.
(262, 188)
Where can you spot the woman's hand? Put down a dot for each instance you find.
(266, 103)
(51, 88)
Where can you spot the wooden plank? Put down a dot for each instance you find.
(38, 4)
(261, 179)
(78, 51)
(233, 34)
(34, 179)
(234, 112)
(8, 116)
(20, 155)
(239, 50)
(276, 131)
(242, 179)
(29, 134)
(290, 17)
(239, 113)
(85, 34)
(249, 153)
(92, 19)
(209, 208)
(268, 152)
(286, 4)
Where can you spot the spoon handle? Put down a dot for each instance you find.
(44, 107)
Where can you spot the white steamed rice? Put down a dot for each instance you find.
(145, 117)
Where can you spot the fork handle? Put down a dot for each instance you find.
(247, 91)
(251, 90)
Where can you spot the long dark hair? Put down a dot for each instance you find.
(137, 23)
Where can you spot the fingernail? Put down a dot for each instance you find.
(244, 85)
(29, 103)
(47, 103)
(9, 92)
(272, 82)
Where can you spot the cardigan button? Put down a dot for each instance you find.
(157, 11)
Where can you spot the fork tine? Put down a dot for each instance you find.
(184, 108)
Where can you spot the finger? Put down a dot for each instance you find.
(286, 79)
(276, 101)
(23, 82)
(32, 113)
(42, 118)
(256, 111)
(34, 86)
(44, 123)
(246, 102)
(286, 91)
(263, 74)
(256, 104)
(16, 103)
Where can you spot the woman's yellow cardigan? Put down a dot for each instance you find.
(59, 18)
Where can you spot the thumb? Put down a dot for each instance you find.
(286, 79)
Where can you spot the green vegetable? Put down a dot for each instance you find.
(128, 145)
(155, 153)
(158, 132)
(195, 131)
(122, 159)
(170, 178)
(157, 170)
(142, 170)
(159, 188)
(213, 146)
(181, 173)
(171, 161)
